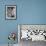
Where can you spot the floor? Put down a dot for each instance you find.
(7, 45)
(30, 43)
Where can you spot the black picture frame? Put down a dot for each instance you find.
(10, 12)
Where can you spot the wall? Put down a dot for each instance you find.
(28, 12)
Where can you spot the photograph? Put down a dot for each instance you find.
(10, 12)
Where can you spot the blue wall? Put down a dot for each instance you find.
(28, 12)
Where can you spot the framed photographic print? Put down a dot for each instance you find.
(10, 12)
